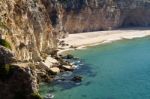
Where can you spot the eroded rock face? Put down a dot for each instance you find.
(26, 25)
(91, 15)
(33, 26)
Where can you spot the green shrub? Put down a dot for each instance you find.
(5, 43)
(35, 96)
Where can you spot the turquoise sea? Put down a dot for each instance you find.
(118, 70)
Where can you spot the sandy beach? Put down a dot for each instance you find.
(100, 37)
(82, 40)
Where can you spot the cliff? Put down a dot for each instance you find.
(92, 15)
(33, 26)
(26, 35)
(26, 25)
(31, 29)
(16, 81)
(21, 83)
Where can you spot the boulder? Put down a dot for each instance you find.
(67, 68)
(45, 65)
(69, 56)
(49, 59)
(49, 62)
(55, 70)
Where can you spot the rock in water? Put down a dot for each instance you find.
(69, 56)
(67, 68)
(77, 79)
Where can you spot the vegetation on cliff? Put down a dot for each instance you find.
(5, 43)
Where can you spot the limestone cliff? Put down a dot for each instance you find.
(91, 15)
(25, 28)
(26, 25)
(33, 26)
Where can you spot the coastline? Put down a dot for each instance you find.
(83, 40)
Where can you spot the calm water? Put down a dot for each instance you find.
(120, 70)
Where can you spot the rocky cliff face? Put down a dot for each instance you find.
(27, 26)
(17, 80)
(21, 84)
(32, 29)
(33, 26)
(91, 15)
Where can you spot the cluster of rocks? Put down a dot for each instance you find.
(17, 80)
(25, 76)
(55, 65)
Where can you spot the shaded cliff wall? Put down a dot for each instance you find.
(21, 84)
(17, 80)
(91, 15)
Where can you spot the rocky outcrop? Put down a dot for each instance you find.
(26, 25)
(16, 81)
(21, 83)
(20, 79)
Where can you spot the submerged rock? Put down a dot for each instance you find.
(77, 79)
(69, 56)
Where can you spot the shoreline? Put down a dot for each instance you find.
(83, 40)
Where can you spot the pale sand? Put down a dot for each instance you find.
(81, 40)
